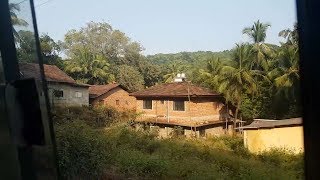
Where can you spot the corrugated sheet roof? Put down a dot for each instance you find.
(175, 89)
(268, 123)
(52, 73)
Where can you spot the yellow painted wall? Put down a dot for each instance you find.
(258, 140)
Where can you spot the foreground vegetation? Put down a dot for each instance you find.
(119, 151)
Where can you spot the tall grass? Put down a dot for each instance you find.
(121, 150)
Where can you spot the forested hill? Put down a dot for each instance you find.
(198, 57)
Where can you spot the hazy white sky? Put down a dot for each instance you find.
(168, 26)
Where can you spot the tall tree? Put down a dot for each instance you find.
(101, 39)
(237, 78)
(286, 71)
(89, 68)
(212, 74)
(172, 70)
(151, 72)
(129, 77)
(258, 33)
(15, 20)
(26, 46)
(290, 35)
(50, 50)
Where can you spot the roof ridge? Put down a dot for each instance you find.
(175, 89)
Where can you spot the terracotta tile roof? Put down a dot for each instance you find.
(98, 90)
(266, 123)
(52, 73)
(175, 89)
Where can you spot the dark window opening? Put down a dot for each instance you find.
(58, 93)
(147, 104)
(178, 106)
(162, 101)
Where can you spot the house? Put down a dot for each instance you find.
(197, 110)
(62, 89)
(263, 134)
(113, 95)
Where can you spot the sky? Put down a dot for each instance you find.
(169, 26)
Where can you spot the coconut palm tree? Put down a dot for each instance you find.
(285, 74)
(15, 20)
(262, 51)
(211, 74)
(290, 35)
(257, 32)
(89, 68)
(173, 69)
(238, 78)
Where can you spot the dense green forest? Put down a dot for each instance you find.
(261, 80)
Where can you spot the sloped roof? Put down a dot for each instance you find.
(266, 123)
(175, 89)
(98, 90)
(52, 73)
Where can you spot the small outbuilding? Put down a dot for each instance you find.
(264, 134)
(62, 89)
(112, 95)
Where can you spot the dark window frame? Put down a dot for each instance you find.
(58, 93)
(177, 106)
(147, 104)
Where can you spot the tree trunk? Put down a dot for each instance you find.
(235, 118)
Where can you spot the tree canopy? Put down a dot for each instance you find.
(259, 79)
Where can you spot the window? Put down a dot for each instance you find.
(178, 106)
(78, 94)
(147, 104)
(117, 102)
(58, 93)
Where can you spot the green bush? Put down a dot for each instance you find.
(95, 116)
(90, 153)
(82, 151)
(284, 158)
(177, 132)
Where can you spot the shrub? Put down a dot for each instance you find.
(177, 131)
(136, 163)
(284, 158)
(82, 151)
(95, 116)
(88, 153)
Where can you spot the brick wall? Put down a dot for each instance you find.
(196, 109)
(117, 98)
